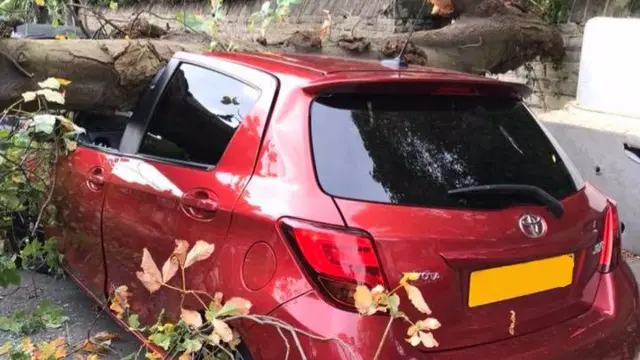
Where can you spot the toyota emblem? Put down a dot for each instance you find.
(532, 226)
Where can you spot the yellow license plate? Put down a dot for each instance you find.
(512, 281)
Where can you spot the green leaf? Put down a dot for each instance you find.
(394, 304)
(192, 345)
(161, 339)
(134, 321)
(113, 6)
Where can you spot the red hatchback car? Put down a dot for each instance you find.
(312, 175)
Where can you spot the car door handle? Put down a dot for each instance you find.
(199, 204)
(95, 178)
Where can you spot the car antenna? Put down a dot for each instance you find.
(397, 62)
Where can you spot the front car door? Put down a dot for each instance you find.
(79, 194)
(189, 160)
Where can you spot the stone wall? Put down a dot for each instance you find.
(552, 86)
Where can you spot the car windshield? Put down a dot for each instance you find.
(414, 149)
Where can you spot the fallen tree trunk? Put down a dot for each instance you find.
(110, 74)
(105, 74)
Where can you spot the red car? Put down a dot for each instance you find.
(312, 175)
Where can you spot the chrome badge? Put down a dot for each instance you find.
(532, 226)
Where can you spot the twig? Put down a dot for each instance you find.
(100, 16)
(384, 337)
(50, 196)
(286, 343)
(35, 288)
(15, 63)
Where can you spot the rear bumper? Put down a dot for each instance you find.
(609, 330)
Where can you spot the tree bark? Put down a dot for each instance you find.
(110, 74)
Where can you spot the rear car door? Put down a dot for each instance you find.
(492, 266)
(193, 155)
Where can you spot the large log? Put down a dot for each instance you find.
(109, 74)
(105, 74)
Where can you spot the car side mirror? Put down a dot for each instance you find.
(631, 147)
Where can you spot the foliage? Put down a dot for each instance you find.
(268, 15)
(370, 301)
(53, 11)
(36, 255)
(194, 332)
(9, 274)
(30, 142)
(45, 316)
(552, 11)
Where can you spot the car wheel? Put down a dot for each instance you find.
(242, 353)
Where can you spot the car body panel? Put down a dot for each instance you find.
(609, 329)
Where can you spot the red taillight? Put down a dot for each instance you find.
(611, 239)
(336, 258)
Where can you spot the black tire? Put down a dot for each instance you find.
(242, 353)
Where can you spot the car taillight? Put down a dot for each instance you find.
(336, 258)
(611, 239)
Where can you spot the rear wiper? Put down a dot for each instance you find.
(542, 197)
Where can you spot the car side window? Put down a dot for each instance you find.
(197, 115)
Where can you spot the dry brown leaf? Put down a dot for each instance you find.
(413, 329)
(363, 300)
(185, 356)
(223, 330)
(55, 349)
(180, 251)
(428, 340)
(175, 261)
(103, 336)
(89, 346)
(217, 301)
(200, 251)
(120, 301)
(415, 296)
(430, 324)
(242, 306)
(414, 340)
(191, 318)
(170, 269)
(150, 276)
(26, 345)
(410, 276)
(214, 338)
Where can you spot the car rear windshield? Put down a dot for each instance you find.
(411, 149)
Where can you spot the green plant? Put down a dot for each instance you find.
(32, 136)
(45, 315)
(35, 255)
